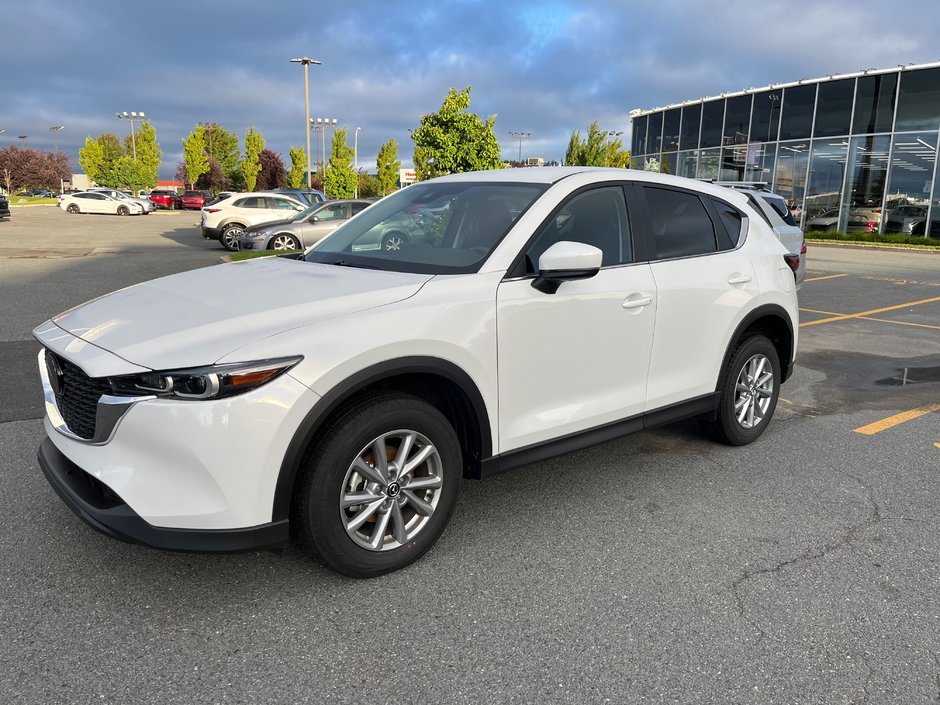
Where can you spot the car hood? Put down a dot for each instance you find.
(195, 318)
(266, 225)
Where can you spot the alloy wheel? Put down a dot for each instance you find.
(753, 391)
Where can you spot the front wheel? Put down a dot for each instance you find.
(393, 241)
(379, 486)
(749, 393)
(284, 241)
(123, 210)
(73, 209)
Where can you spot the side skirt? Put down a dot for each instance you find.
(705, 404)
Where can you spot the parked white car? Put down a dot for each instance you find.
(225, 219)
(145, 203)
(94, 202)
(346, 392)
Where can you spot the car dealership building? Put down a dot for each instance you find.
(854, 152)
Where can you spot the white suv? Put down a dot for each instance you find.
(542, 310)
(225, 219)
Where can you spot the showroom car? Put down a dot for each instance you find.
(341, 395)
(307, 228)
(95, 202)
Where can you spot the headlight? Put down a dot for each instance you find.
(215, 382)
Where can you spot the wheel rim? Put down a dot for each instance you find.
(393, 242)
(283, 242)
(753, 391)
(73, 209)
(231, 237)
(122, 211)
(391, 490)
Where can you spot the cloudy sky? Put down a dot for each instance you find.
(545, 66)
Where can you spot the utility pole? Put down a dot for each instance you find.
(520, 136)
(306, 61)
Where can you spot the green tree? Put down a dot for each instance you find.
(453, 140)
(340, 180)
(91, 158)
(388, 165)
(99, 158)
(130, 174)
(297, 176)
(194, 155)
(222, 145)
(597, 150)
(250, 165)
(369, 185)
(149, 154)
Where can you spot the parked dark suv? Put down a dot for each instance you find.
(4, 207)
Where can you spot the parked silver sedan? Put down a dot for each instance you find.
(305, 229)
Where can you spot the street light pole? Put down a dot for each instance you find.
(520, 136)
(356, 159)
(55, 130)
(132, 116)
(306, 61)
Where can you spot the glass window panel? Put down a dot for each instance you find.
(874, 103)
(934, 229)
(671, 130)
(691, 123)
(910, 178)
(834, 108)
(919, 101)
(867, 165)
(708, 162)
(790, 175)
(765, 118)
(638, 145)
(637, 162)
(737, 119)
(668, 163)
(824, 185)
(731, 219)
(688, 163)
(681, 225)
(733, 162)
(797, 118)
(713, 114)
(760, 163)
(654, 134)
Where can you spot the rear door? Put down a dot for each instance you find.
(703, 281)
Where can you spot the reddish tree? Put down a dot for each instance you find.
(23, 167)
(215, 179)
(273, 173)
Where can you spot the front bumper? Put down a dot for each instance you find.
(106, 512)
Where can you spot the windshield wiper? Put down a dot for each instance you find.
(345, 263)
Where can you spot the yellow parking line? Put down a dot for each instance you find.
(831, 276)
(901, 323)
(862, 314)
(878, 426)
(828, 313)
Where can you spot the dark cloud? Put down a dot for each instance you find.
(545, 67)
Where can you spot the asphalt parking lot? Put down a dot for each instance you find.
(804, 568)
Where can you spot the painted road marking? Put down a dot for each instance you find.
(862, 314)
(937, 445)
(831, 276)
(901, 323)
(879, 426)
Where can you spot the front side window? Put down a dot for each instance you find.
(681, 224)
(337, 211)
(436, 228)
(597, 217)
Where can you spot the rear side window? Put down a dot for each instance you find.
(780, 208)
(731, 219)
(252, 202)
(681, 224)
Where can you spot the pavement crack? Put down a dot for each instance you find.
(849, 536)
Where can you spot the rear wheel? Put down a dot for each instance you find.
(230, 235)
(283, 241)
(123, 210)
(379, 486)
(749, 392)
(393, 241)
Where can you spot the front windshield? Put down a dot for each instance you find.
(433, 228)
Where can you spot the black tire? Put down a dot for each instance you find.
(393, 241)
(279, 241)
(123, 210)
(73, 209)
(318, 520)
(726, 427)
(229, 236)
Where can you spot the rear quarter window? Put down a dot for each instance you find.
(780, 208)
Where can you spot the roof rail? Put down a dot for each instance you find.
(757, 185)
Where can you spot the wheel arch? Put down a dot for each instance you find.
(437, 381)
(772, 321)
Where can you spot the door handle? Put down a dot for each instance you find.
(637, 303)
(739, 278)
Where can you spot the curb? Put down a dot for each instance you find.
(874, 246)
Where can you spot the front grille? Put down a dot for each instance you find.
(78, 397)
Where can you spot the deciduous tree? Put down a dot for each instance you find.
(453, 140)
(340, 180)
(273, 173)
(194, 156)
(149, 155)
(388, 165)
(250, 164)
(24, 167)
(297, 177)
(597, 150)
(222, 145)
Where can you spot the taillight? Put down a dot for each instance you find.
(803, 248)
(212, 210)
(872, 227)
(793, 262)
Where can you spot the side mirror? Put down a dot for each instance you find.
(314, 218)
(566, 261)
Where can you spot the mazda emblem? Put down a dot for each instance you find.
(56, 377)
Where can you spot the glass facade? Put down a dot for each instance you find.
(854, 153)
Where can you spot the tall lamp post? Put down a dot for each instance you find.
(132, 116)
(321, 123)
(356, 159)
(55, 130)
(520, 136)
(306, 61)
